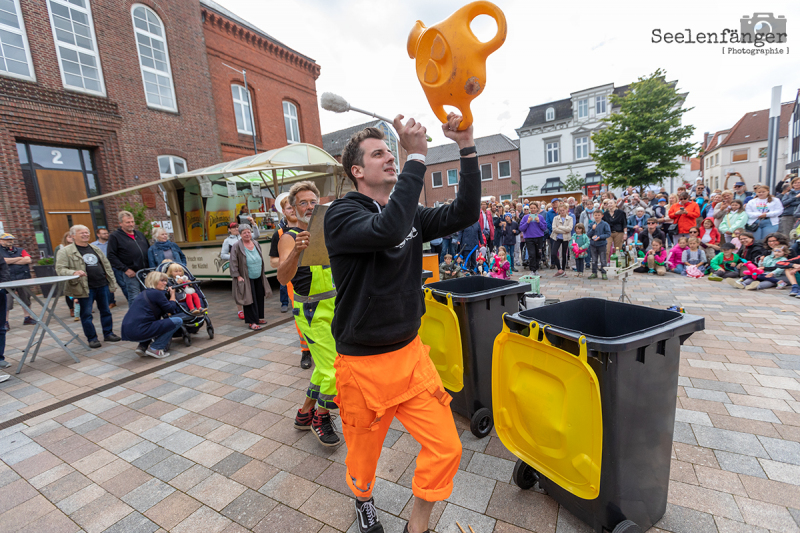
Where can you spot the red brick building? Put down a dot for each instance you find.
(281, 84)
(500, 176)
(100, 95)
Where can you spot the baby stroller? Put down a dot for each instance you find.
(191, 323)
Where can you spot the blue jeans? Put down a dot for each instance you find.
(510, 254)
(120, 276)
(765, 227)
(100, 296)
(162, 341)
(284, 295)
(680, 268)
(445, 249)
(134, 287)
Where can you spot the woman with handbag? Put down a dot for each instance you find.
(147, 322)
(763, 213)
(250, 286)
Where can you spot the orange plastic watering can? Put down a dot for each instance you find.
(451, 61)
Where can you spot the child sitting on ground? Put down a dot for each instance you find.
(792, 267)
(675, 256)
(724, 265)
(772, 272)
(694, 256)
(580, 247)
(186, 294)
(448, 269)
(481, 268)
(735, 240)
(655, 260)
(500, 264)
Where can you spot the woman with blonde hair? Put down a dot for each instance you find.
(145, 323)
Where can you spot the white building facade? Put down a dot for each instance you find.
(557, 135)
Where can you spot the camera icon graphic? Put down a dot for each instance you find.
(763, 23)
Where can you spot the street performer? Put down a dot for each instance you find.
(383, 370)
(313, 312)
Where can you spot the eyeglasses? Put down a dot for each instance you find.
(306, 203)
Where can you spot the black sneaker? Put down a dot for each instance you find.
(94, 344)
(141, 349)
(112, 338)
(305, 360)
(405, 530)
(322, 426)
(303, 420)
(367, 517)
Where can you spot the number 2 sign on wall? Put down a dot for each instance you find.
(56, 157)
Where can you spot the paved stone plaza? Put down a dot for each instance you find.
(207, 445)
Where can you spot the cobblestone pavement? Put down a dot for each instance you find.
(207, 444)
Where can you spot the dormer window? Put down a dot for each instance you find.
(550, 114)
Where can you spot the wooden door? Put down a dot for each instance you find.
(61, 192)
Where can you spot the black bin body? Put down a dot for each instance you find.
(479, 303)
(635, 353)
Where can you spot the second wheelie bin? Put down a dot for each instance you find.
(463, 317)
(585, 394)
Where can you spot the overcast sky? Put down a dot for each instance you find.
(553, 48)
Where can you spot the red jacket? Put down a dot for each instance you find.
(486, 218)
(715, 236)
(687, 221)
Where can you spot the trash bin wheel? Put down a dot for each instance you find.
(524, 476)
(482, 423)
(627, 526)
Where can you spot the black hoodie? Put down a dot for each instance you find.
(376, 258)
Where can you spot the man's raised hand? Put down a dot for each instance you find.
(464, 138)
(412, 135)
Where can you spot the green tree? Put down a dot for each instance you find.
(574, 181)
(143, 222)
(644, 141)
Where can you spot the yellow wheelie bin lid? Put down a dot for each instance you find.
(547, 409)
(441, 332)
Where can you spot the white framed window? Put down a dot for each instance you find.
(582, 148)
(551, 150)
(436, 179)
(291, 122)
(76, 46)
(716, 159)
(170, 165)
(503, 169)
(583, 108)
(151, 42)
(707, 160)
(600, 104)
(452, 177)
(550, 114)
(15, 52)
(241, 108)
(504, 197)
(740, 156)
(486, 172)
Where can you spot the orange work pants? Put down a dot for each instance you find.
(404, 384)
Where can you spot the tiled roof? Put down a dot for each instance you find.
(491, 144)
(714, 140)
(210, 4)
(753, 126)
(335, 141)
(536, 114)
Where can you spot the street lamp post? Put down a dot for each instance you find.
(249, 102)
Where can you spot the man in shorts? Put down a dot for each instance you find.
(382, 369)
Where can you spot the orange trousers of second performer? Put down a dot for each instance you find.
(374, 389)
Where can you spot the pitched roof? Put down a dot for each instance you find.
(714, 141)
(335, 141)
(754, 126)
(491, 144)
(210, 4)
(536, 114)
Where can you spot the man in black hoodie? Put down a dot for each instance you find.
(127, 252)
(383, 370)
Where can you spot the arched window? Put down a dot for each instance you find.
(76, 46)
(550, 114)
(241, 108)
(15, 54)
(151, 41)
(290, 120)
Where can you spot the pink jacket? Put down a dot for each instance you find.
(502, 270)
(674, 257)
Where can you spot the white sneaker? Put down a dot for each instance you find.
(4, 377)
(158, 354)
